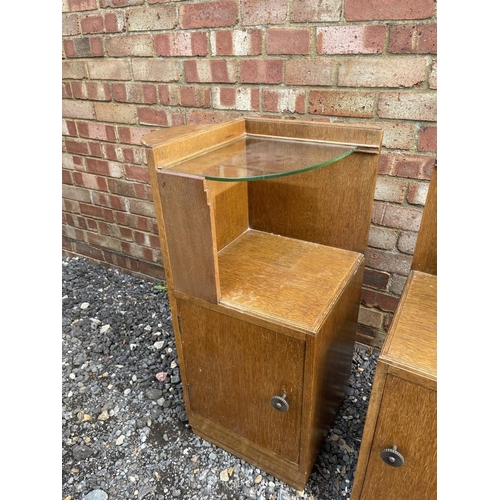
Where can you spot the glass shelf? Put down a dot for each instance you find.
(254, 157)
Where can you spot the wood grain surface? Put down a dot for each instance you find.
(233, 369)
(190, 230)
(425, 254)
(292, 281)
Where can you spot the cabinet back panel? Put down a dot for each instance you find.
(331, 205)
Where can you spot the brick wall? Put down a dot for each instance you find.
(132, 66)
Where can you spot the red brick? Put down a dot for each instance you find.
(312, 11)
(400, 217)
(137, 173)
(141, 207)
(119, 3)
(96, 46)
(381, 72)
(121, 187)
(433, 76)
(80, 5)
(208, 14)
(372, 10)
(130, 45)
(108, 200)
(132, 135)
(155, 70)
(205, 117)
(77, 109)
(342, 103)
(243, 99)
(420, 106)
(309, 72)
(376, 279)
(427, 139)
(181, 44)
(67, 93)
(98, 131)
(98, 167)
(134, 155)
(70, 26)
(69, 128)
(74, 70)
(369, 39)
(94, 91)
(76, 193)
(115, 113)
(95, 148)
(152, 18)
(83, 47)
(113, 23)
(398, 135)
(284, 100)
(417, 193)
(416, 39)
(210, 70)
(390, 189)
(196, 97)
(92, 24)
(90, 181)
(136, 251)
(67, 177)
(379, 300)
(77, 147)
(384, 260)
(135, 93)
(109, 69)
(288, 40)
(370, 317)
(263, 12)
(409, 165)
(262, 71)
(134, 221)
(382, 237)
(236, 42)
(407, 241)
(151, 116)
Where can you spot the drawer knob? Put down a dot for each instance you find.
(392, 457)
(280, 403)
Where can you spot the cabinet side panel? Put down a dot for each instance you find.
(425, 254)
(231, 210)
(407, 419)
(190, 228)
(331, 205)
(331, 362)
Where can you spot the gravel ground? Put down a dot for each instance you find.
(125, 433)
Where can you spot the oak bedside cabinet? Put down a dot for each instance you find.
(263, 226)
(398, 455)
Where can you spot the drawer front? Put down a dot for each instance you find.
(233, 368)
(408, 420)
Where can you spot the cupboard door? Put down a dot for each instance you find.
(233, 368)
(407, 419)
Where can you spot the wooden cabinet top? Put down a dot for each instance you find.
(288, 281)
(411, 343)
